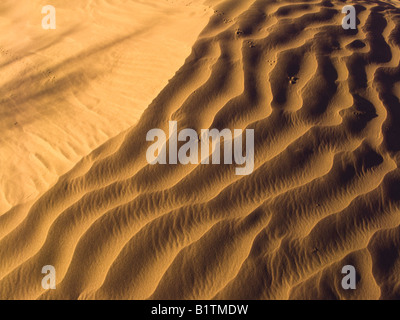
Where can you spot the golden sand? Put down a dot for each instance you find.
(77, 193)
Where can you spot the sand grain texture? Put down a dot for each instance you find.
(325, 192)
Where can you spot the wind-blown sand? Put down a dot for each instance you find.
(66, 91)
(325, 192)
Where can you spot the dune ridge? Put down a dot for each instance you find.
(325, 192)
(64, 92)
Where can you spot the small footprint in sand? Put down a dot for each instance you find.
(251, 44)
(293, 80)
(50, 76)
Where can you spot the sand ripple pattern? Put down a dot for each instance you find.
(324, 104)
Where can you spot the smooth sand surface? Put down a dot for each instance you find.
(66, 91)
(325, 192)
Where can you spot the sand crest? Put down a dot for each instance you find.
(325, 192)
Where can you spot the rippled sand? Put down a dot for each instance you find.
(325, 192)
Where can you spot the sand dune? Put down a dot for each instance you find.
(325, 192)
(64, 92)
